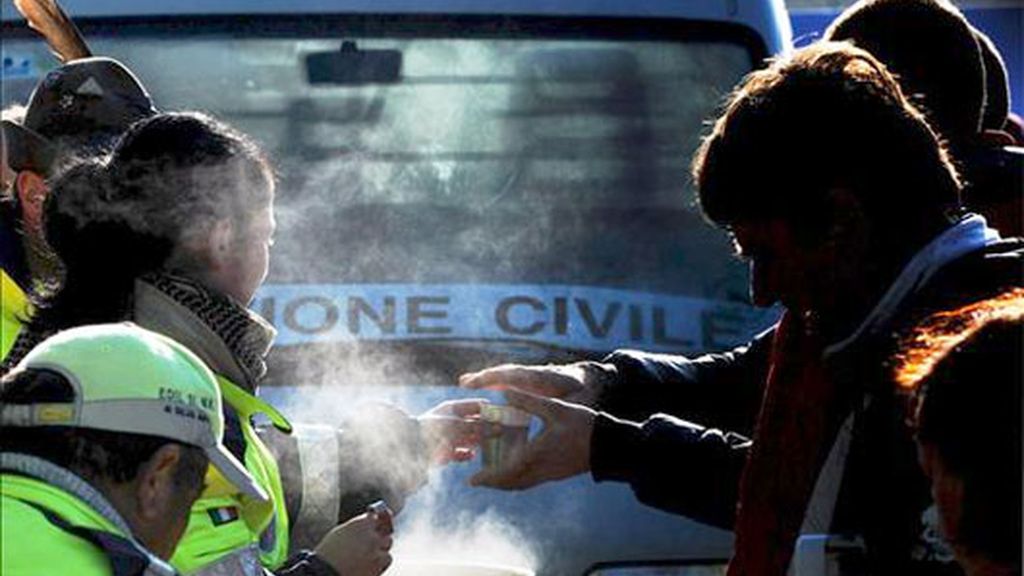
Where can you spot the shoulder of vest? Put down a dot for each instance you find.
(62, 503)
(60, 528)
(32, 544)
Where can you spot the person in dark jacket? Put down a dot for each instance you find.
(846, 205)
(965, 369)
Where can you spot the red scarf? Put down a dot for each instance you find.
(791, 442)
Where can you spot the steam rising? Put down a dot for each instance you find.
(434, 527)
(469, 537)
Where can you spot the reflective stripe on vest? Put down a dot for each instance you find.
(244, 561)
(14, 308)
(225, 528)
(127, 558)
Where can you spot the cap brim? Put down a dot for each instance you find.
(235, 473)
(27, 149)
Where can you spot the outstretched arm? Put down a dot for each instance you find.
(330, 474)
(670, 463)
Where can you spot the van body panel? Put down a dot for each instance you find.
(767, 17)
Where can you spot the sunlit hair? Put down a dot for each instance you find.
(964, 370)
(828, 116)
(940, 334)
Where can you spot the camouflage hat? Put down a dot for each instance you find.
(86, 102)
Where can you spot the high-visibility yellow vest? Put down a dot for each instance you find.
(14, 308)
(227, 531)
(47, 531)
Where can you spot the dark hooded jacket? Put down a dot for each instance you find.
(678, 429)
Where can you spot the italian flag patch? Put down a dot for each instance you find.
(220, 516)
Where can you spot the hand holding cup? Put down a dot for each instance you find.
(560, 450)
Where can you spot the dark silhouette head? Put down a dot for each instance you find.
(931, 48)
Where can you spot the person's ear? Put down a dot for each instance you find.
(220, 241)
(155, 491)
(31, 190)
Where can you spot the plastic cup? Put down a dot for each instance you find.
(507, 433)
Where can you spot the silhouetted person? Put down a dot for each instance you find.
(955, 74)
(846, 206)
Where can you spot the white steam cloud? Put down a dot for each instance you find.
(429, 538)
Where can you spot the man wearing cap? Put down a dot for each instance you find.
(82, 106)
(107, 433)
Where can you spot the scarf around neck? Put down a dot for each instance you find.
(802, 410)
(233, 340)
